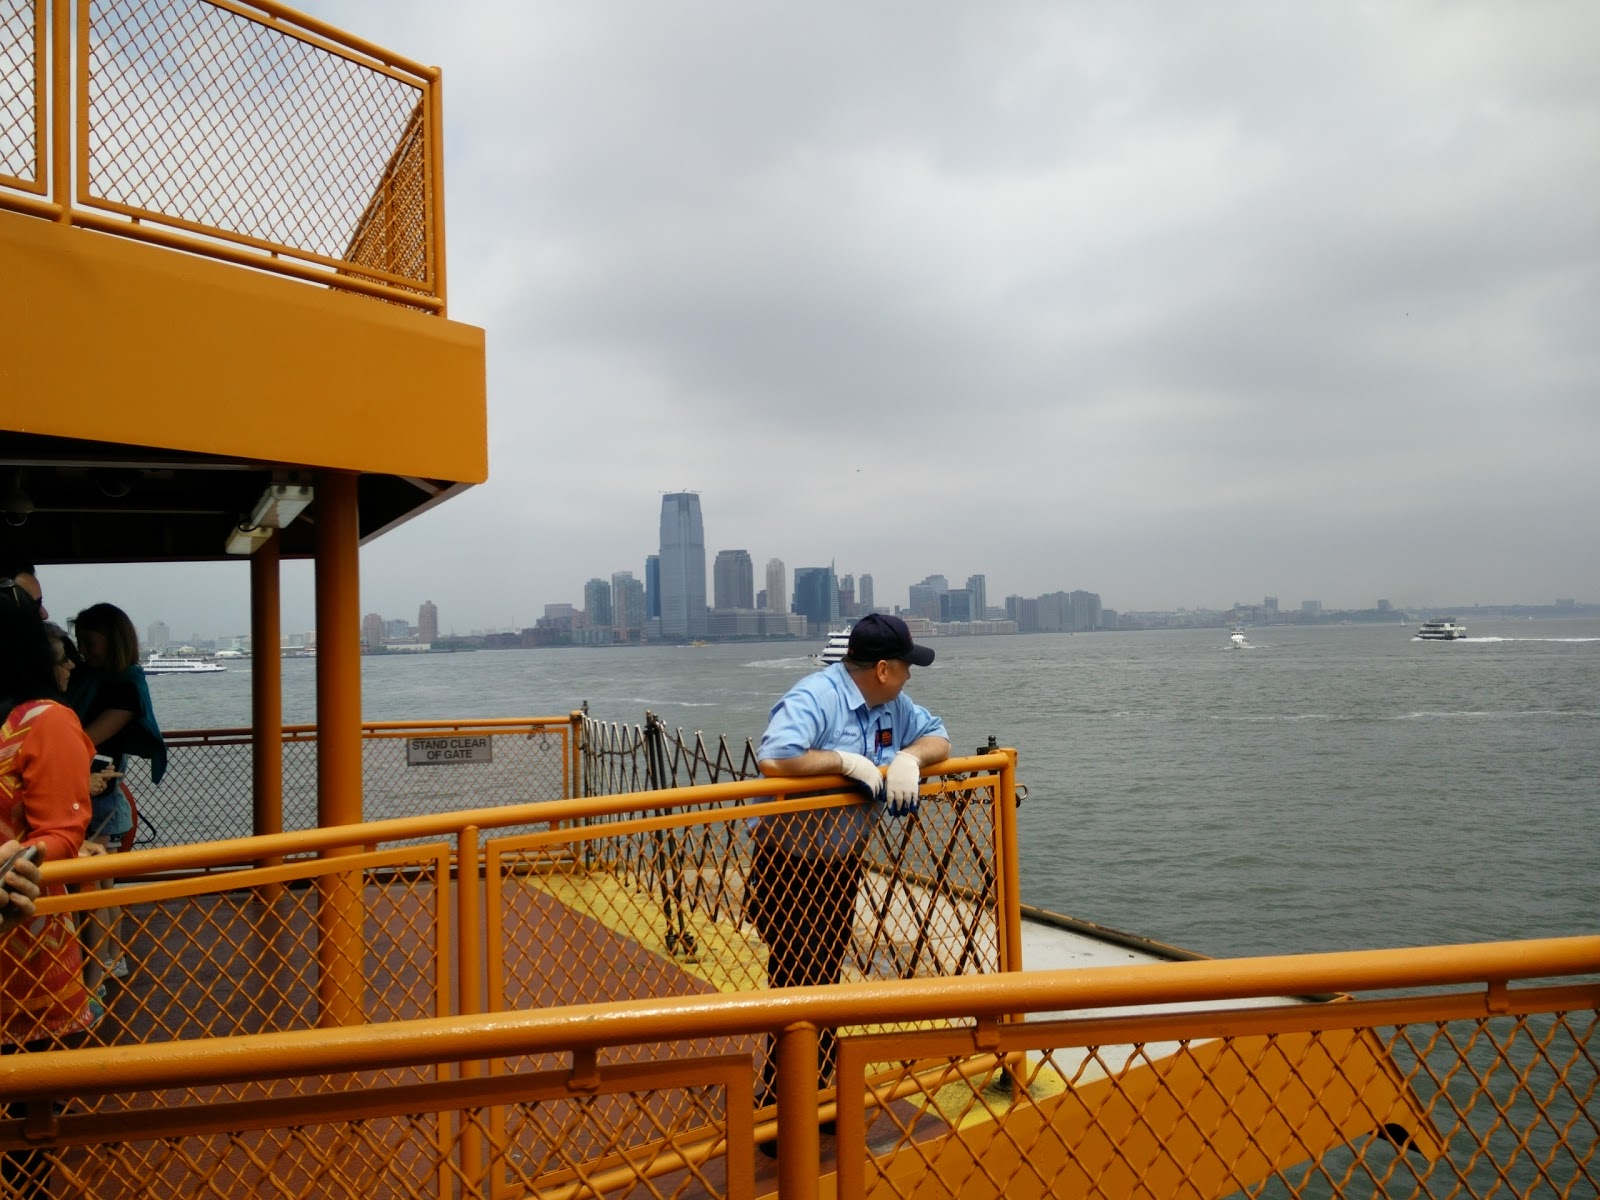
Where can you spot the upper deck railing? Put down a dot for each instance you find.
(242, 131)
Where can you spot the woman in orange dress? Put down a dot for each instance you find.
(44, 801)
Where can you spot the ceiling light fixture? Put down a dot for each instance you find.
(279, 505)
(244, 539)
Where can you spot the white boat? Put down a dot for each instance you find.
(1444, 630)
(1237, 637)
(162, 664)
(837, 646)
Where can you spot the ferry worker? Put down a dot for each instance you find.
(851, 718)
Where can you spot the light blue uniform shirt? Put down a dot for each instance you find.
(826, 711)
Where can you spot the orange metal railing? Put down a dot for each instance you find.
(22, 97)
(236, 129)
(1489, 1091)
(535, 1021)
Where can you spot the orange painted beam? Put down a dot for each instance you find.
(584, 1026)
(137, 344)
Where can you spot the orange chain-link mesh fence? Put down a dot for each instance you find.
(228, 129)
(1313, 1100)
(212, 119)
(667, 901)
(205, 794)
(22, 75)
(1477, 1093)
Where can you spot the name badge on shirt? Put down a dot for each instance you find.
(885, 739)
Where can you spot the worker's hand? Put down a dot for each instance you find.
(905, 777)
(862, 769)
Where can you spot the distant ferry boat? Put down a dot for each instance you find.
(1237, 636)
(1445, 630)
(161, 664)
(834, 651)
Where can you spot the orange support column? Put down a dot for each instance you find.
(798, 1144)
(339, 947)
(266, 692)
(1010, 867)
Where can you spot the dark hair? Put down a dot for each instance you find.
(61, 644)
(27, 659)
(122, 643)
(10, 568)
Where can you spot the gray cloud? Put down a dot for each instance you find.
(1180, 304)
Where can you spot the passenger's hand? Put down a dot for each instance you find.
(101, 782)
(862, 769)
(18, 890)
(905, 777)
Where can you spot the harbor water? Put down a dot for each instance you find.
(1321, 788)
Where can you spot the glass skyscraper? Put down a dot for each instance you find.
(816, 596)
(733, 580)
(683, 567)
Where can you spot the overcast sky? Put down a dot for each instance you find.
(1181, 304)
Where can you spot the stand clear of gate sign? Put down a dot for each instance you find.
(448, 751)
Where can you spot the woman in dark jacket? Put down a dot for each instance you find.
(112, 700)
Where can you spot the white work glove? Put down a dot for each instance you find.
(862, 769)
(905, 777)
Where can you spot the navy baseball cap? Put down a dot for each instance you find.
(878, 636)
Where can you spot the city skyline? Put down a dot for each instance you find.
(1030, 614)
(74, 588)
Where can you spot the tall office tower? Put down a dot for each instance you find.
(1085, 609)
(777, 585)
(864, 596)
(1270, 603)
(683, 567)
(627, 601)
(847, 597)
(978, 585)
(733, 580)
(816, 596)
(1053, 612)
(652, 586)
(923, 601)
(937, 582)
(372, 630)
(428, 622)
(158, 636)
(955, 605)
(597, 601)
